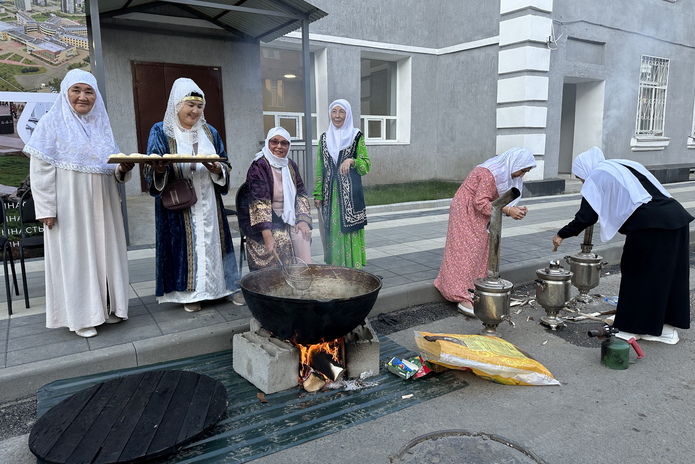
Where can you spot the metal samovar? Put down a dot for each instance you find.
(585, 267)
(492, 294)
(553, 292)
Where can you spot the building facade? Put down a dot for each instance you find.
(438, 87)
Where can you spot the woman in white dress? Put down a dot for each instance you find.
(76, 198)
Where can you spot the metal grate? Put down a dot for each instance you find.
(652, 96)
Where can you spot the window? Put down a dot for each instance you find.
(378, 107)
(282, 80)
(651, 106)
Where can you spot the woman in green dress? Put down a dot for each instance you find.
(341, 162)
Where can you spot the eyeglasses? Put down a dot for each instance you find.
(282, 143)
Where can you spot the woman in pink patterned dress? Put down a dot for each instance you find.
(467, 239)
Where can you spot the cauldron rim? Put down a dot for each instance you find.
(276, 269)
(308, 320)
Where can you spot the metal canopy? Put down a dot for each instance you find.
(249, 20)
(253, 20)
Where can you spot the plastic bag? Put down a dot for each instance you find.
(491, 358)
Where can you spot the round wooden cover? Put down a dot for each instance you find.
(130, 418)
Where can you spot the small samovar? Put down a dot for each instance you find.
(553, 292)
(585, 267)
(492, 294)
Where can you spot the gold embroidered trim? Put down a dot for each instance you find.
(260, 211)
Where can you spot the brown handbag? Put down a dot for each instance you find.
(179, 194)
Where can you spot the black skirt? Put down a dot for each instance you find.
(654, 287)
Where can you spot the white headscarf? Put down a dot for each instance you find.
(613, 191)
(289, 190)
(182, 88)
(502, 166)
(339, 139)
(585, 162)
(71, 141)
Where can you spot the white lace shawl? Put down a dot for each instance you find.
(182, 88)
(74, 142)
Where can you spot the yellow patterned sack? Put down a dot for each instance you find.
(491, 358)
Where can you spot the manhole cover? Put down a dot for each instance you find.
(457, 446)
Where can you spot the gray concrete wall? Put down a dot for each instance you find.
(409, 22)
(628, 28)
(453, 113)
(453, 95)
(466, 96)
(241, 82)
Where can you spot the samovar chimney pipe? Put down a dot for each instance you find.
(495, 231)
(587, 246)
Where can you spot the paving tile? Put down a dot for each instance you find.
(47, 351)
(234, 313)
(133, 329)
(33, 336)
(178, 321)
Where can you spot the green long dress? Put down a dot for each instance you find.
(342, 249)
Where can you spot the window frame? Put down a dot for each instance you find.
(401, 93)
(651, 109)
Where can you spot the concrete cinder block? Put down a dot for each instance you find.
(269, 363)
(362, 351)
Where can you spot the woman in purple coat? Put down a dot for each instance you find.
(274, 208)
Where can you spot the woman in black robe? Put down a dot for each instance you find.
(624, 197)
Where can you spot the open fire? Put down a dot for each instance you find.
(273, 364)
(321, 363)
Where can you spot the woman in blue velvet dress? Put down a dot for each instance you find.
(195, 254)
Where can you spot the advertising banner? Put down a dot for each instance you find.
(40, 41)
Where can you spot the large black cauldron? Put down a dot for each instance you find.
(338, 300)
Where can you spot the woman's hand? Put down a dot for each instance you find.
(214, 167)
(303, 227)
(48, 222)
(268, 240)
(557, 240)
(515, 212)
(346, 166)
(125, 167)
(318, 203)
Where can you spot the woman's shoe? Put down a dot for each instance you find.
(238, 298)
(87, 332)
(191, 307)
(669, 335)
(113, 319)
(468, 312)
(628, 335)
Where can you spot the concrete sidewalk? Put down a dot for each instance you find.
(405, 244)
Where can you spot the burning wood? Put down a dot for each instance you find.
(321, 363)
(312, 381)
(325, 364)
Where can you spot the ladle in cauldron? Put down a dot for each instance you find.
(296, 274)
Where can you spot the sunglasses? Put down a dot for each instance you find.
(282, 143)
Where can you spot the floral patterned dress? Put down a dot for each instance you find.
(467, 239)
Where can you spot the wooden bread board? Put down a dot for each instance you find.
(122, 158)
